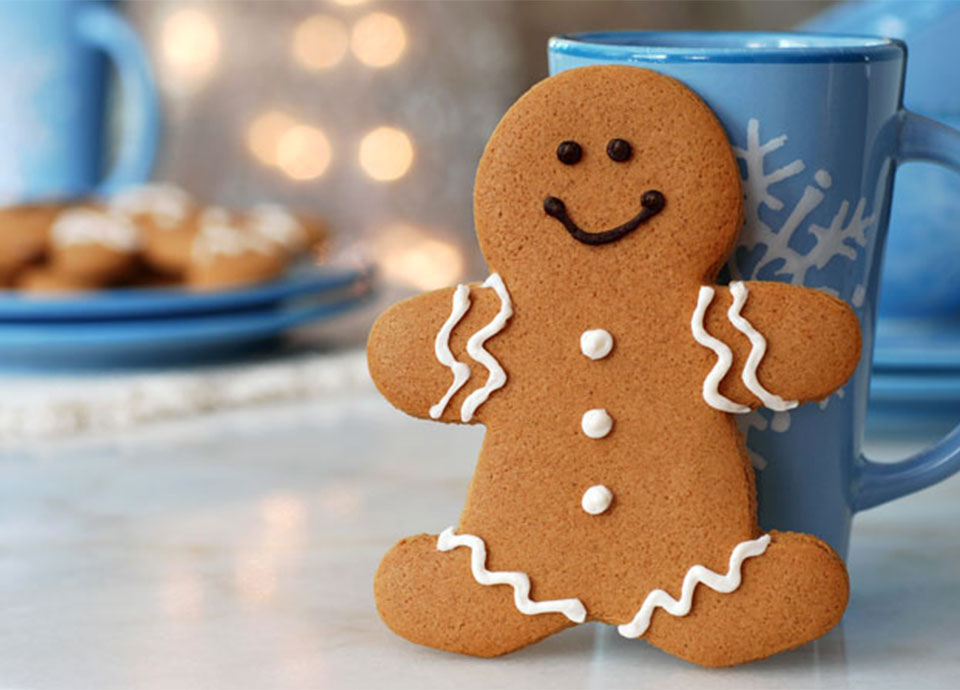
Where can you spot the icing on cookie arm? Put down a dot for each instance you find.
(418, 355)
(790, 344)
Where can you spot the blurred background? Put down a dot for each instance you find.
(369, 116)
(373, 114)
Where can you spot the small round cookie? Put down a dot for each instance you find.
(318, 232)
(92, 247)
(168, 251)
(167, 218)
(146, 277)
(275, 223)
(226, 255)
(159, 206)
(24, 232)
(41, 280)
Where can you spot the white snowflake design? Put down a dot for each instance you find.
(845, 236)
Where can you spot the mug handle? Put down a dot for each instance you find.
(920, 139)
(104, 28)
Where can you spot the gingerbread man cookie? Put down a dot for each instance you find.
(608, 367)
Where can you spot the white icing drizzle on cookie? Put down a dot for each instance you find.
(167, 204)
(497, 377)
(711, 392)
(218, 236)
(698, 574)
(573, 609)
(86, 226)
(278, 225)
(441, 347)
(758, 348)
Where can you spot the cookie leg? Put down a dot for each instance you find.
(430, 597)
(792, 594)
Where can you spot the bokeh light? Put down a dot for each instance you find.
(319, 42)
(303, 152)
(386, 153)
(264, 134)
(412, 256)
(378, 39)
(190, 45)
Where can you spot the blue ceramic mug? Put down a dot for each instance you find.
(818, 126)
(53, 77)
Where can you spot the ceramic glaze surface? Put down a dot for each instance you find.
(817, 126)
(53, 111)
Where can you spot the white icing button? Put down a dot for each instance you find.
(596, 499)
(596, 423)
(596, 343)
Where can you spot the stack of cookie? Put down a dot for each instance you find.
(154, 234)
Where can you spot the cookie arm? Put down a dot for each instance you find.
(812, 341)
(404, 355)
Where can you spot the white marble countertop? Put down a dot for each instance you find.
(238, 552)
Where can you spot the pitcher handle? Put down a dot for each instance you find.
(920, 139)
(104, 28)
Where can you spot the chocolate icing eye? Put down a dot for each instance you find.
(619, 150)
(569, 152)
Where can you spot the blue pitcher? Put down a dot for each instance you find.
(53, 100)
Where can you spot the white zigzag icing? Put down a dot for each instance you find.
(441, 346)
(573, 609)
(711, 392)
(724, 584)
(758, 348)
(497, 377)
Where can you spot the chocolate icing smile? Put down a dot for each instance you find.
(651, 203)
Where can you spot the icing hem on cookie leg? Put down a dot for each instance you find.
(573, 609)
(724, 584)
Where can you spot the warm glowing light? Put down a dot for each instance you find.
(386, 154)
(303, 152)
(408, 255)
(378, 39)
(190, 45)
(350, 3)
(264, 134)
(319, 42)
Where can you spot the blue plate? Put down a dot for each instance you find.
(180, 340)
(151, 303)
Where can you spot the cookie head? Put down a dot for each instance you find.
(608, 170)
